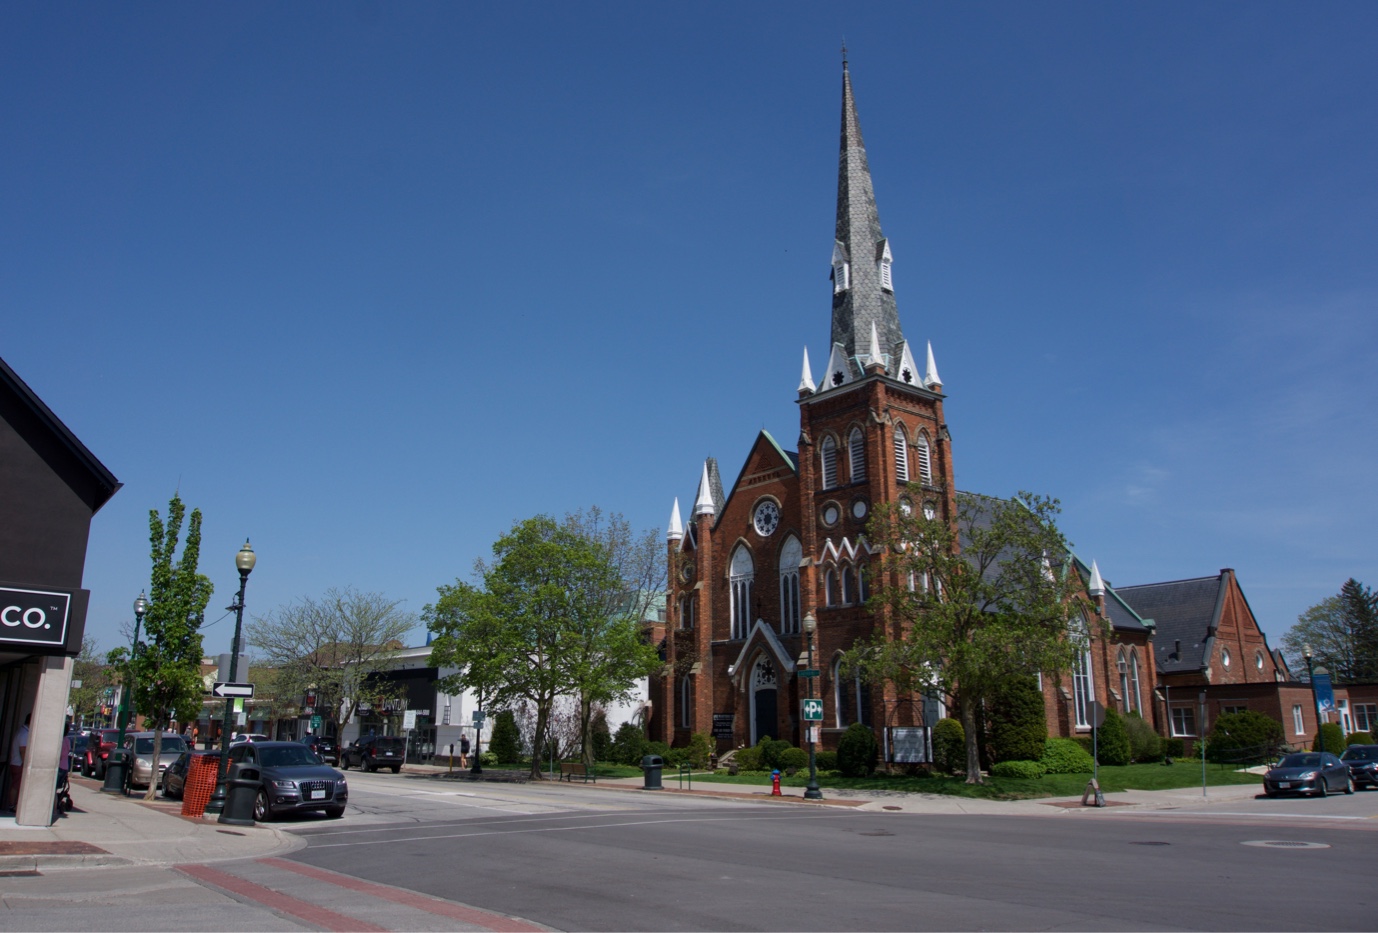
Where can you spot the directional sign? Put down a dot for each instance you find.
(808, 672)
(224, 690)
(813, 710)
(479, 715)
(315, 723)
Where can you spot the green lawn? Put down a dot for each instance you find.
(1129, 777)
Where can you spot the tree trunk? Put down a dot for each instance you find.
(968, 706)
(157, 754)
(585, 730)
(542, 726)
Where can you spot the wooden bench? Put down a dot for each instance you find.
(569, 770)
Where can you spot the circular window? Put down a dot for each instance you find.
(1258, 659)
(831, 514)
(859, 508)
(767, 518)
(1225, 656)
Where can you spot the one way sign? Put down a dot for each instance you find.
(227, 690)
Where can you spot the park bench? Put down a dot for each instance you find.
(569, 770)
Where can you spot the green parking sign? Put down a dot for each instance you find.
(813, 710)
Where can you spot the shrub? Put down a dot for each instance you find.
(856, 751)
(1084, 741)
(1334, 738)
(1358, 738)
(1018, 769)
(771, 751)
(488, 760)
(748, 759)
(1144, 743)
(795, 758)
(1112, 741)
(676, 757)
(1017, 724)
(628, 744)
(506, 741)
(1173, 747)
(655, 748)
(699, 749)
(825, 761)
(949, 746)
(599, 736)
(1243, 737)
(1064, 756)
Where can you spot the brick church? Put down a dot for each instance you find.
(786, 543)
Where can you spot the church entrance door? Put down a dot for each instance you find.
(764, 709)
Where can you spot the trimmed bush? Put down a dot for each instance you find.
(825, 761)
(856, 751)
(1334, 738)
(1018, 769)
(1358, 738)
(1243, 738)
(1064, 756)
(1016, 721)
(1144, 744)
(1084, 741)
(506, 740)
(699, 749)
(1173, 747)
(949, 746)
(599, 736)
(748, 759)
(771, 751)
(1112, 741)
(676, 757)
(628, 744)
(795, 758)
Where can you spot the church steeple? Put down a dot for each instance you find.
(863, 292)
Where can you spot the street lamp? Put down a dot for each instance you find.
(1311, 673)
(244, 561)
(811, 792)
(114, 777)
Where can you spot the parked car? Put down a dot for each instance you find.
(99, 744)
(1316, 773)
(78, 759)
(248, 737)
(292, 778)
(324, 747)
(175, 777)
(1363, 764)
(374, 752)
(141, 770)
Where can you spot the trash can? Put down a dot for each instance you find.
(651, 766)
(241, 787)
(116, 772)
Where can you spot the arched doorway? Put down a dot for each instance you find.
(764, 706)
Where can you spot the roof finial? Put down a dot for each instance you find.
(844, 53)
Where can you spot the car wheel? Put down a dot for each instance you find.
(334, 813)
(344, 763)
(369, 766)
(163, 790)
(396, 769)
(1322, 788)
(1349, 785)
(263, 813)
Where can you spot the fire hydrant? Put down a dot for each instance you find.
(775, 783)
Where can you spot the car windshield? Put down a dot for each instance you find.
(171, 743)
(1361, 753)
(1300, 761)
(287, 756)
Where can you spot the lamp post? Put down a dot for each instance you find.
(811, 792)
(1315, 699)
(114, 776)
(244, 562)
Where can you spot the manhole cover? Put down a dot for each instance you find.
(1150, 843)
(877, 832)
(1286, 844)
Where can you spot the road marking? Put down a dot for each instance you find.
(483, 918)
(411, 828)
(1254, 815)
(276, 900)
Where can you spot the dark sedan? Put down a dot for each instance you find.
(1363, 764)
(1318, 773)
(292, 778)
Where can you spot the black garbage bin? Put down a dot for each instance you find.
(651, 766)
(116, 772)
(241, 787)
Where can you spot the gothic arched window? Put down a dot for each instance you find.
(925, 458)
(1083, 687)
(742, 573)
(790, 556)
(827, 452)
(901, 455)
(686, 693)
(856, 450)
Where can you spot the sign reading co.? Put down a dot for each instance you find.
(33, 617)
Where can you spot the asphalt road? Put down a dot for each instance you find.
(586, 859)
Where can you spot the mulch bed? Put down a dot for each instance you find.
(50, 848)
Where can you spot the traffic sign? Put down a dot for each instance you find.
(809, 672)
(478, 717)
(224, 690)
(315, 723)
(813, 710)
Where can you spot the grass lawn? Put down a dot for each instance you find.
(1128, 777)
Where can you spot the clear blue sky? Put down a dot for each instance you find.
(369, 282)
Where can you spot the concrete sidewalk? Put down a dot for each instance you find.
(108, 829)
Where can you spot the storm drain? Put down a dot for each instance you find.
(877, 832)
(1150, 843)
(1285, 844)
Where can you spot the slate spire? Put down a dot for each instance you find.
(862, 291)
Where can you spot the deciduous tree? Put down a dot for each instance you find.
(1342, 632)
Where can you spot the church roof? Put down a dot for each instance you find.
(1186, 613)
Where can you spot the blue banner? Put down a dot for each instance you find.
(1325, 694)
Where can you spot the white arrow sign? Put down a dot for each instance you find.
(225, 690)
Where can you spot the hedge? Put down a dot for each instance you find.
(1018, 769)
(1064, 756)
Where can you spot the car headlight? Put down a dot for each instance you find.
(285, 785)
(142, 762)
(1308, 775)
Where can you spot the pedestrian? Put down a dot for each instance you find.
(463, 751)
(18, 748)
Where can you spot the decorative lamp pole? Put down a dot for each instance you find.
(811, 792)
(115, 776)
(1315, 700)
(244, 561)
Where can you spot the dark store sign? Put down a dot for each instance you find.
(33, 617)
(722, 725)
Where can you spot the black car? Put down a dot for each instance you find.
(1363, 764)
(374, 752)
(326, 748)
(1318, 773)
(291, 778)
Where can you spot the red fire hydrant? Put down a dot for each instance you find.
(775, 783)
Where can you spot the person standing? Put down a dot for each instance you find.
(18, 748)
(464, 751)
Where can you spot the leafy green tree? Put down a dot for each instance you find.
(505, 742)
(95, 676)
(1242, 737)
(628, 744)
(165, 670)
(601, 736)
(949, 745)
(1342, 633)
(857, 751)
(1016, 720)
(334, 647)
(1330, 738)
(969, 604)
(547, 617)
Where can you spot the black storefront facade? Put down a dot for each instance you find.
(50, 487)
